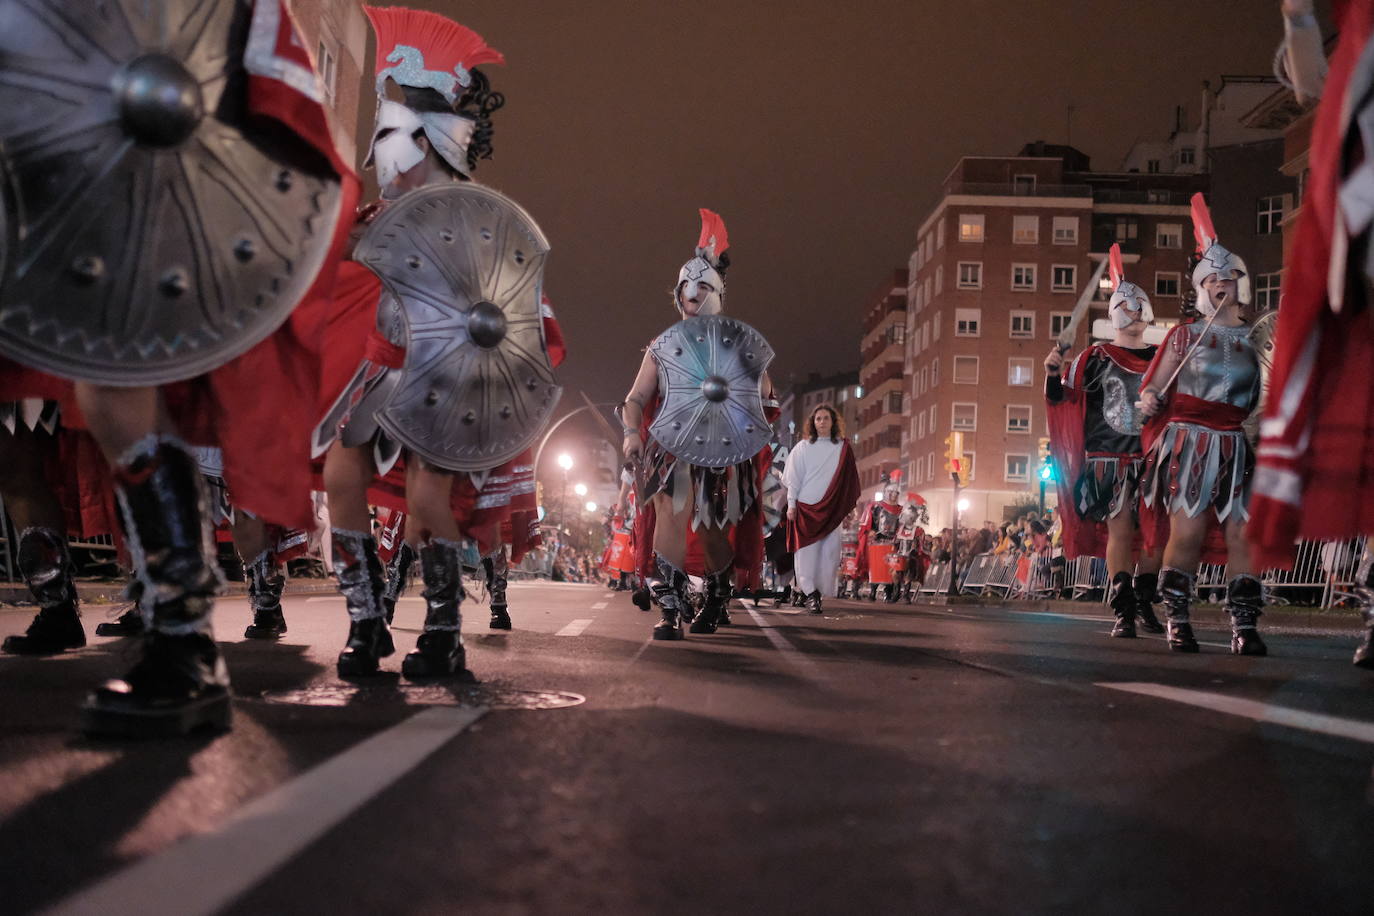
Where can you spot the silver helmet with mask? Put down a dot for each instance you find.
(1129, 303)
(702, 279)
(1215, 259)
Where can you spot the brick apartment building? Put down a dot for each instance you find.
(879, 427)
(998, 266)
(841, 391)
(336, 32)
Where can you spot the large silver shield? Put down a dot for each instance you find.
(467, 265)
(152, 229)
(709, 368)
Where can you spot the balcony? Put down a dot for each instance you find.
(1009, 189)
(1156, 197)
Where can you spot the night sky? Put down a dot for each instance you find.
(820, 131)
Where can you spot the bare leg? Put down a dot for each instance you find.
(1186, 535)
(347, 474)
(428, 511)
(1120, 543)
(670, 530)
(119, 418)
(23, 485)
(250, 536)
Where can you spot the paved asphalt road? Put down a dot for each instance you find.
(874, 760)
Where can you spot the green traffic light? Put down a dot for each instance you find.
(1046, 472)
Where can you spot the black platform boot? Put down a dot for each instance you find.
(873, 592)
(1121, 597)
(180, 682)
(726, 591)
(359, 571)
(397, 579)
(439, 650)
(667, 592)
(47, 570)
(1146, 585)
(1176, 587)
(813, 602)
(717, 596)
(265, 585)
(641, 597)
(130, 622)
(496, 586)
(1245, 603)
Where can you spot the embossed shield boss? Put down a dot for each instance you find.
(709, 368)
(149, 232)
(467, 265)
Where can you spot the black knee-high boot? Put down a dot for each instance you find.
(1176, 587)
(1245, 603)
(359, 571)
(717, 597)
(265, 585)
(496, 568)
(1122, 599)
(180, 682)
(1145, 586)
(397, 579)
(439, 650)
(1364, 590)
(667, 593)
(47, 570)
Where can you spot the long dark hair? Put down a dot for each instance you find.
(836, 424)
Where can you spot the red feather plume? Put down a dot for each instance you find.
(714, 239)
(1114, 268)
(445, 44)
(1203, 230)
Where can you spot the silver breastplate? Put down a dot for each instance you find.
(391, 321)
(1224, 368)
(1120, 391)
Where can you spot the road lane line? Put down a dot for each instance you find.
(599, 606)
(790, 652)
(206, 873)
(575, 628)
(1267, 713)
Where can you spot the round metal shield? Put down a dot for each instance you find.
(709, 368)
(467, 264)
(1262, 336)
(152, 229)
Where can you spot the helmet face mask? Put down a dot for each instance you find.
(699, 280)
(1220, 261)
(1128, 305)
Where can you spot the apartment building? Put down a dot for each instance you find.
(881, 378)
(336, 32)
(997, 268)
(840, 390)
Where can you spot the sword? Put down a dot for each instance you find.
(1070, 331)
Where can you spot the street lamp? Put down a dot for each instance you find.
(580, 489)
(591, 506)
(963, 505)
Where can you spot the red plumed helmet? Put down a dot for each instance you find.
(421, 49)
(714, 239)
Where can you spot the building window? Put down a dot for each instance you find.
(1063, 278)
(1018, 418)
(1267, 292)
(894, 402)
(930, 464)
(921, 425)
(327, 66)
(970, 274)
(1125, 228)
(1058, 322)
(1018, 468)
(1023, 277)
(1025, 230)
(970, 227)
(1268, 214)
(896, 334)
(935, 372)
(936, 323)
(968, 466)
(940, 233)
(1022, 324)
(1066, 230)
(965, 417)
(939, 279)
(966, 322)
(1152, 166)
(925, 336)
(1166, 283)
(1019, 371)
(926, 287)
(965, 370)
(1169, 235)
(1187, 156)
(1023, 185)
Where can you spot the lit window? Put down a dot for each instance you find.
(970, 274)
(966, 322)
(965, 370)
(1267, 292)
(1018, 418)
(1169, 235)
(1166, 283)
(1023, 324)
(1025, 230)
(970, 227)
(965, 417)
(1023, 277)
(1019, 371)
(1268, 214)
(1018, 468)
(1066, 230)
(1063, 278)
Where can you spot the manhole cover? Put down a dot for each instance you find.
(393, 694)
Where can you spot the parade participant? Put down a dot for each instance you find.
(1201, 386)
(707, 424)
(1095, 438)
(877, 537)
(849, 574)
(822, 482)
(911, 535)
(454, 403)
(227, 96)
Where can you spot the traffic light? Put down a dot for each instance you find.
(1046, 460)
(954, 453)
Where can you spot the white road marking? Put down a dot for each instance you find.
(1353, 729)
(599, 606)
(575, 628)
(789, 651)
(204, 874)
